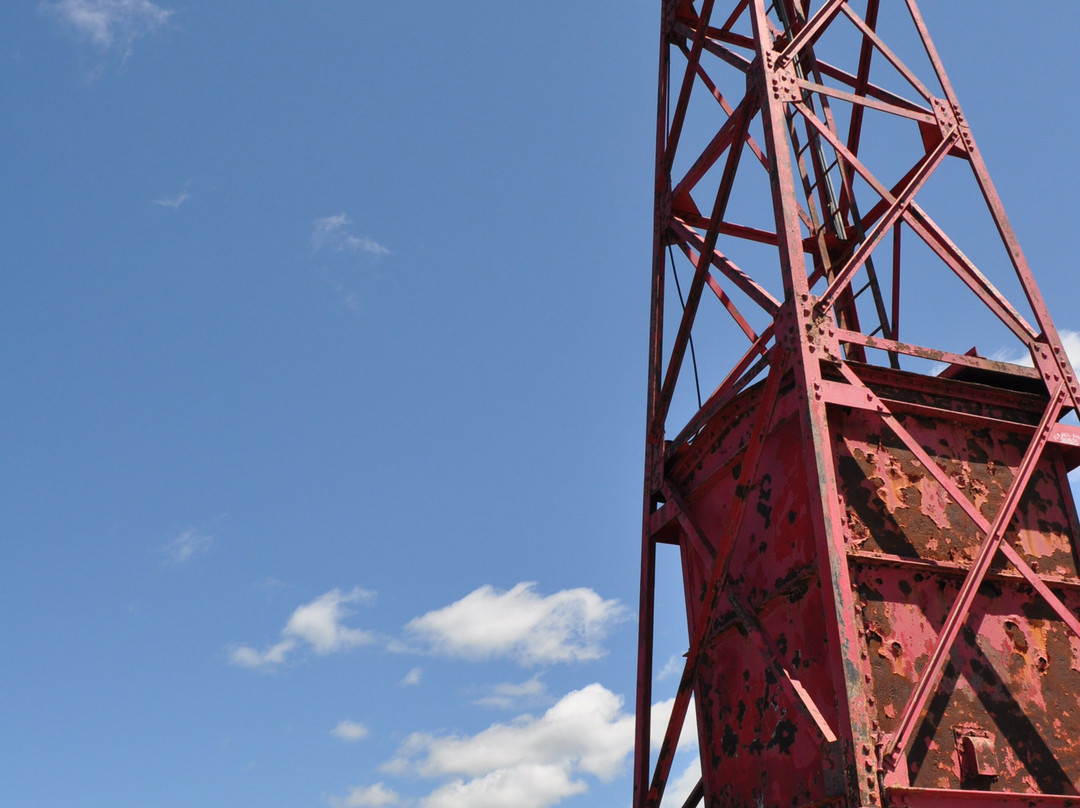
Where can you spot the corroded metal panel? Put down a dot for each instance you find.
(1012, 680)
(759, 739)
(1005, 715)
(754, 727)
(1002, 719)
(880, 565)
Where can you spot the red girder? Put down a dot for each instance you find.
(887, 541)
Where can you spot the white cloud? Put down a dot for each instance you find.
(532, 762)
(564, 627)
(680, 788)
(244, 656)
(674, 665)
(186, 546)
(110, 24)
(173, 202)
(318, 623)
(367, 797)
(412, 678)
(335, 233)
(658, 721)
(272, 585)
(586, 731)
(349, 731)
(1070, 341)
(507, 695)
(525, 786)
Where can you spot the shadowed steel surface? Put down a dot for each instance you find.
(876, 532)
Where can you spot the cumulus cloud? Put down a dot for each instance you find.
(349, 731)
(318, 624)
(366, 797)
(336, 233)
(658, 721)
(526, 786)
(531, 762)
(110, 25)
(507, 695)
(680, 788)
(567, 626)
(186, 546)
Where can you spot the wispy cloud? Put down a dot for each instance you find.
(272, 585)
(174, 202)
(1070, 341)
(245, 656)
(336, 233)
(110, 25)
(675, 664)
(512, 695)
(567, 626)
(412, 678)
(374, 796)
(318, 624)
(349, 731)
(188, 544)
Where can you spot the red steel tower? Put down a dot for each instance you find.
(877, 539)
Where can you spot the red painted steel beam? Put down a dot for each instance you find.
(718, 576)
(693, 296)
(683, 100)
(810, 391)
(944, 798)
(862, 80)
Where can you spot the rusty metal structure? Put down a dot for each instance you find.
(876, 535)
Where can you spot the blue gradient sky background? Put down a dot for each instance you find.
(322, 335)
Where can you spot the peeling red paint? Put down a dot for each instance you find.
(880, 567)
(1012, 673)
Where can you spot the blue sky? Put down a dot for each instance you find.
(323, 331)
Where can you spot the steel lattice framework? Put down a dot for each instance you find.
(911, 495)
